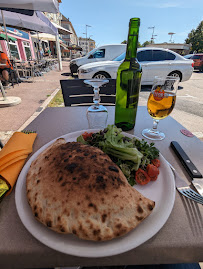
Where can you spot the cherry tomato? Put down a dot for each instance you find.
(152, 170)
(156, 162)
(153, 178)
(86, 135)
(141, 177)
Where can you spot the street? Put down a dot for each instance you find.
(188, 109)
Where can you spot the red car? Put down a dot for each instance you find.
(198, 61)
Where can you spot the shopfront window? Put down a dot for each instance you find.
(27, 50)
(14, 50)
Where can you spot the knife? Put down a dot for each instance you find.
(191, 169)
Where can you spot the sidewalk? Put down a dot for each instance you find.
(35, 97)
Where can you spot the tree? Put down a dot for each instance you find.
(125, 42)
(195, 38)
(146, 43)
(139, 45)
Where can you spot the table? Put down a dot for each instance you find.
(179, 241)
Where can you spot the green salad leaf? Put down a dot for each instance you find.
(128, 153)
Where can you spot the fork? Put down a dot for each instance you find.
(184, 189)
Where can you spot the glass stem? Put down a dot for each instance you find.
(96, 98)
(155, 124)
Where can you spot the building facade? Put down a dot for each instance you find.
(21, 47)
(71, 39)
(87, 44)
(54, 18)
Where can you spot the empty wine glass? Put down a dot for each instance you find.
(97, 114)
(160, 104)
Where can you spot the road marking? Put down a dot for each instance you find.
(186, 96)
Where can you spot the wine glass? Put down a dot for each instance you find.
(160, 104)
(97, 114)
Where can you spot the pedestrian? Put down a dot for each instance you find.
(5, 68)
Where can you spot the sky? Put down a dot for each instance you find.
(109, 19)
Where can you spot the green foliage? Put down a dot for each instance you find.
(139, 44)
(195, 38)
(57, 101)
(146, 43)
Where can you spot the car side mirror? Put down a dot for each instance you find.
(90, 57)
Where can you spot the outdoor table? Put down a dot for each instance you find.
(180, 240)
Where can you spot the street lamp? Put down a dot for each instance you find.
(171, 34)
(86, 35)
(152, 38)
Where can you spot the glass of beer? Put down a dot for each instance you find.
(160, 104)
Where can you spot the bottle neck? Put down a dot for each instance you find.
(131, 51)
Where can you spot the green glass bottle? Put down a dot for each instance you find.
(128, 81)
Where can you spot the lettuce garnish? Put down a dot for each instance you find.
(128, 153)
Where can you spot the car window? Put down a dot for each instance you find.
(91, 52)
(99, 53)
(120, 57)
(196, 57)
(144, 55)
(161, 55)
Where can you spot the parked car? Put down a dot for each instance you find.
(198, 61)
(102, 53)
(154, 62)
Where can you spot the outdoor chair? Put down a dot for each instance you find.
(25, 71)
(77, 93)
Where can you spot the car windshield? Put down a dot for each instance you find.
(91, 52)
(187, 56)
(120, 57)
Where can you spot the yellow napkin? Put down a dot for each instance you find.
(13, 156)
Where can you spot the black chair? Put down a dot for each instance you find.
(76, 92)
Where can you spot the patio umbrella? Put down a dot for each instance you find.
(40, 5)
(38, 22)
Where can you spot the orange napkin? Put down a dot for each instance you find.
(13, 156)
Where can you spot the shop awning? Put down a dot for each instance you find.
(37, 22)
(62, 30)
(3, 37)
(44, 37)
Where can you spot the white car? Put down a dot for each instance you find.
(154, 62)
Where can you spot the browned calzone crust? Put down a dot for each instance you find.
(75, 188)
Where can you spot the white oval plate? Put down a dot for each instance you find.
(162, 191)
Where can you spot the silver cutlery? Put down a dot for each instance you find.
(184, 188)
(189, 166)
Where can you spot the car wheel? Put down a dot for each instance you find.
(101, 75)
(176, 74)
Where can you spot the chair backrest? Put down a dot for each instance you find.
(76, 92)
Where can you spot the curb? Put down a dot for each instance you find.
(39, 110)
